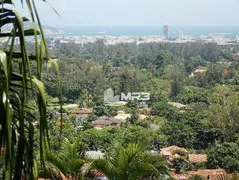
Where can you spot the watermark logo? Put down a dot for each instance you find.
(109, 96)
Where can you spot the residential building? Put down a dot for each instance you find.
(171, 151)
(105, 121)
(197, 158)
(82, 112)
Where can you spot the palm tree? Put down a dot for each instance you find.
(128, 163)
(69, 160)
(20, 82)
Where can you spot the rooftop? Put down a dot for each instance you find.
(82, 111)
(171, 150)
(213, 174)
(94, 154)
(197, 158)
(105, 121)
(177, 105)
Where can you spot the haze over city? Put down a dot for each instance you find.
(138, 12)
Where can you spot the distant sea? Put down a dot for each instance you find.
(149, 31)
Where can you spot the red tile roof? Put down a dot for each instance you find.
(105, 121)
(200, 70)
(171, 150)
(205, 173)
(96, 173)
(212, 173)
(197, 158)
(82, 111)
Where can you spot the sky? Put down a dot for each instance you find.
(138, 12)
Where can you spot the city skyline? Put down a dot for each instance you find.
(138, 13)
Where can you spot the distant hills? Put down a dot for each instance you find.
(47, 29)
(51, 30)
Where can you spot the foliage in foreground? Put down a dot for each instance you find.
(20, 83)
(130, 163)
(68, 160)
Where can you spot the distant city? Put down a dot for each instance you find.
(139, 35)
(146, 35)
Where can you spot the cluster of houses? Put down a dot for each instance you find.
(99, 123)
(194, 160)
(105, 121)
(172, 153)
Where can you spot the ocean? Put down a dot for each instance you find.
(149, 31)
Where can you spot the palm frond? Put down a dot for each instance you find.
(17, 86)
(126, 163)
(69, 154)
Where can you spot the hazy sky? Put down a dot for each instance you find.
(139, 12)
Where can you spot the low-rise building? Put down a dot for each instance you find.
(94, 154)
(82, 112)
(199, 70)
(211, 174)
(105, 121)
(122, 116)
(181, 107)
(197, 158)
(172, 151)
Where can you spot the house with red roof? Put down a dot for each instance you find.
(105, 121)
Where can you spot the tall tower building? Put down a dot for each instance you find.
(166, 31)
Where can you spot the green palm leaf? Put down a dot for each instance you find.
(126, 163)
(17, 87)
(68, 153)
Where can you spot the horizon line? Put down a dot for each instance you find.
(160, 25)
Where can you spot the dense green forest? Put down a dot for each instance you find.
(157, 68)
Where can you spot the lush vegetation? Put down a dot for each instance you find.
(203, 77)
(209, 121)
